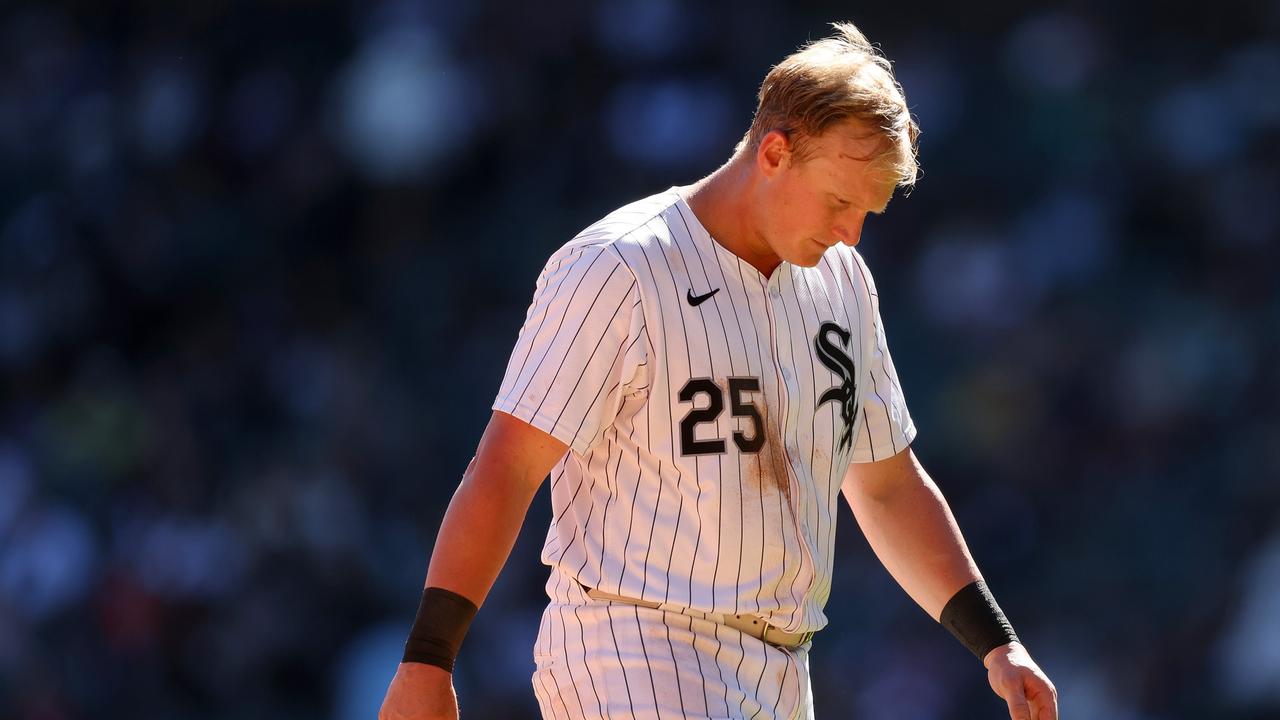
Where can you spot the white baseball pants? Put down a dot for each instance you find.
(599, 659)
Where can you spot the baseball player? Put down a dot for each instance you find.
(703, 372)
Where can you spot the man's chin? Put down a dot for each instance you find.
(809, 254)
(807, 261)
(813, 259)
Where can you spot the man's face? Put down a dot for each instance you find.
(810, 204)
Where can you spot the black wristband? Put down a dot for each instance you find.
(973, 616)
(442, 622)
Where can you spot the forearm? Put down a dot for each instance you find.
(915, 536)
(486, 512)
(478, 531)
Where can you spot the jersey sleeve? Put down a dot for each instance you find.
(581, 350)
(886, 427)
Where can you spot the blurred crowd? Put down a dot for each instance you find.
(261, 265)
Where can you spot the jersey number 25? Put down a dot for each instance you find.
(738, 407)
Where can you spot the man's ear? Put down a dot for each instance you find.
(774, 153)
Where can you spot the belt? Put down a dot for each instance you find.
(752, 625)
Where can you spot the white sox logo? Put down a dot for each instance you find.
(839, 362)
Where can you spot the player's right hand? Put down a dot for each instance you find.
(1021, 683)
(420, 692)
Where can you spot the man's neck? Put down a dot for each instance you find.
(722, 203)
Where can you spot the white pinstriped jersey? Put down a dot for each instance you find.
(711, 413)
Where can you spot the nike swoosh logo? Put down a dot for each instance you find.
(696, 300)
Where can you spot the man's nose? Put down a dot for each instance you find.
(850, 232)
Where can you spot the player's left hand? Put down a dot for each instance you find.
(1021, 683)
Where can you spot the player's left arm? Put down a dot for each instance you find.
(912, 530)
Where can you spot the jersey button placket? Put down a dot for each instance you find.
(779, 335)
(791, 388)
(782, 375)
(789, 381)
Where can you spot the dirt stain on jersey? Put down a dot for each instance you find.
(772, 465)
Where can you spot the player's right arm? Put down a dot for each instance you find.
(476, 536)
(578, 354)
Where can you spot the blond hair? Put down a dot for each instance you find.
(830, 80)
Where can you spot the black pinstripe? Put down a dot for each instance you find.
(563, 358)
(537, 330)
(647, 665)
(573, 683)
(583, 374)
(550, 703)
(759, 461)
(706, 701)
(784, 406)
(797, 487)
(622, 668)
(833, 484)
(675, 664)
(810, 508)
(742, 339)
(612, 488)
(582, 640)
(666, 359)
(871, 297)
(724, 330)
(680, 515)
(577, 286)
(693, 557)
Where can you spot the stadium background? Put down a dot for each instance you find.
(261, 265)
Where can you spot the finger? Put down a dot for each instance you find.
(1013, 695)
(1033, 706)
(1044, 703)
